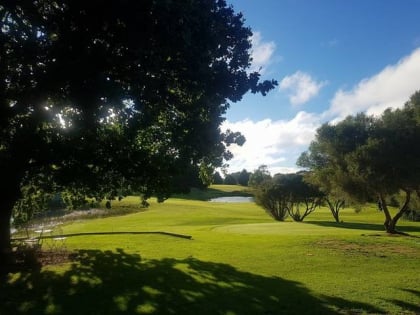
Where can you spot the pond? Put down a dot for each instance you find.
(232, 199)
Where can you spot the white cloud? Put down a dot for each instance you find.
(262, 52)
(301, 87)
(391, 87)
(276, 144)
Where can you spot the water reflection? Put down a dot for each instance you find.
(232, 199)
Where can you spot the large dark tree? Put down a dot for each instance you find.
(371, 158)
(96, 95)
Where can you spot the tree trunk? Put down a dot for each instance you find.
(6, 207)
(386, 212)
(391, 222)
(10, 194)
(335, 208)
(402, 210)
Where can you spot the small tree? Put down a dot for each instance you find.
(303, 197)
(335, 205)
(323, 180)
(206, 170)
(288, 194)
(273, 199)
(259, 176)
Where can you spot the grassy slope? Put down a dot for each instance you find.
(239, 262)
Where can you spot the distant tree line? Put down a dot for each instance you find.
(236, 178)
(243, 178)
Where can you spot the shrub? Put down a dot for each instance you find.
(273, 200)
(302, 208)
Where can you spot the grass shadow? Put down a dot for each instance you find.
(414, 308)
(109, 282)
(362, 226)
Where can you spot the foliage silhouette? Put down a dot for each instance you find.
(99, 98)
(107, 282)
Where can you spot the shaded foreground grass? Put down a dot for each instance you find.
(106, 282)
(238, 262)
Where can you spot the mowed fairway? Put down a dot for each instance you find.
(239, 261)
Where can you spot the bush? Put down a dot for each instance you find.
(272, 199)
(302, 208)
(34, 201)
(288, 194)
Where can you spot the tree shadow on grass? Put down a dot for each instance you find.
(107, 282)
(413, 307)
(362, 226)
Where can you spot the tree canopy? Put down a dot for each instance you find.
(369, 157)
(259, 175)
(95, 95)
(288, 194)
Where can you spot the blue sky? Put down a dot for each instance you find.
(332, 58)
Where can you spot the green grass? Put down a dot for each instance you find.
(239, 261)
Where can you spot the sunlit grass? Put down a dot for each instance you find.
(313, 267)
